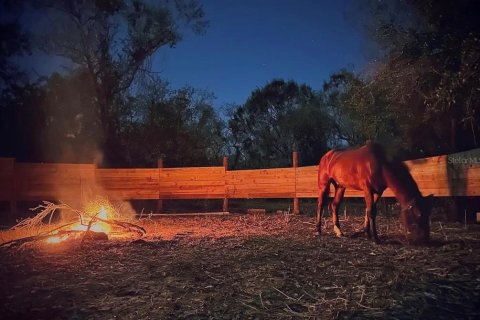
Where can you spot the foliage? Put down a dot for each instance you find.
(57, 121)
(22, 124)
(430, 72)
(99, 106)
(275, 120)
(54, 120)
(13, 42)
(178, 125)
(113, 41)
(358, 109)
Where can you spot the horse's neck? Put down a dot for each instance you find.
(402, 185)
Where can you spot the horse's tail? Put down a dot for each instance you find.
(323, 186)
(324, 173)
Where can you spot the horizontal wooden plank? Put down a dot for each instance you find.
(127, 185)
(174, 184)
(261, 172)
(40, 196)
(441, 183)
(130, 196)
(261, 182)
(193, 189)
(54, 166)
(32, 176)
(261, 191)
(102, 173)
(184, 173)
(176, 195)
(205, 178)
(195, 169)
(261, 195)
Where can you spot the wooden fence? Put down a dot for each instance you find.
(448, 175)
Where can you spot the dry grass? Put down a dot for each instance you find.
(247, 267)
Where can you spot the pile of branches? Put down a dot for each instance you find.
(40, 226)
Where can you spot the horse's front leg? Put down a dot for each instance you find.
(339, 192)
(370, 226)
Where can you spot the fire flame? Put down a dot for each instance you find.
(96, 226)
(56, 239)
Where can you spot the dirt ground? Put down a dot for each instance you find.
(246, 267)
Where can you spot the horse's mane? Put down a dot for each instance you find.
(396, 173)
(398, 178)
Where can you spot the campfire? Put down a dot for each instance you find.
(98, 220)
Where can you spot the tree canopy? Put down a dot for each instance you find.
(276, 119)
(429, 75)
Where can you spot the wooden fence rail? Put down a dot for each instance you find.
(443, 176)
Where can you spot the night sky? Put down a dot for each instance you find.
(251, 42)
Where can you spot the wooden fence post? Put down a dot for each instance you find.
(296, 209)
(160, 201)
(225, 199)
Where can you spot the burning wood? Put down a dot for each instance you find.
(96, 221)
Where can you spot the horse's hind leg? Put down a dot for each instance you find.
(373, 217)
(339, 192)
(368, 210)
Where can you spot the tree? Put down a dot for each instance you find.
(52, 120)
(178, 125)
(274, 121)
(13, 42)
(71, 127)
(360, 111)
(113, 41)
(430, 72)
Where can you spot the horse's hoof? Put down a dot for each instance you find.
(338, 232)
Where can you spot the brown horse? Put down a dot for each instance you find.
(367, 169)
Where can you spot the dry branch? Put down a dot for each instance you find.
(126, 225)
(48, 209)
(40, 237)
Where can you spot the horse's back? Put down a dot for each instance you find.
(357, 169)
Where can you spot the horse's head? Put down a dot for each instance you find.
(416, 219)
